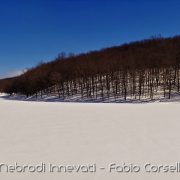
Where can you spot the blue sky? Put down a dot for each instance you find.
(32, 31)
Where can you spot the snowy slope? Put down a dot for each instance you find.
(75, 133)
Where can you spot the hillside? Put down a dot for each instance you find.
(147, 69)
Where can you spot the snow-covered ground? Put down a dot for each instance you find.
(77, 134)
(175, 97)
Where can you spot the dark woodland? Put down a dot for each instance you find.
(139, 70)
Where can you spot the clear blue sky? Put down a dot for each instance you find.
(37, 30)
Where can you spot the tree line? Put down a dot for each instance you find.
(140, 70)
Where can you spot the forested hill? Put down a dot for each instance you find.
(144, 69)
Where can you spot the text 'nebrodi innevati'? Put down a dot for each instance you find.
(90, 168)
